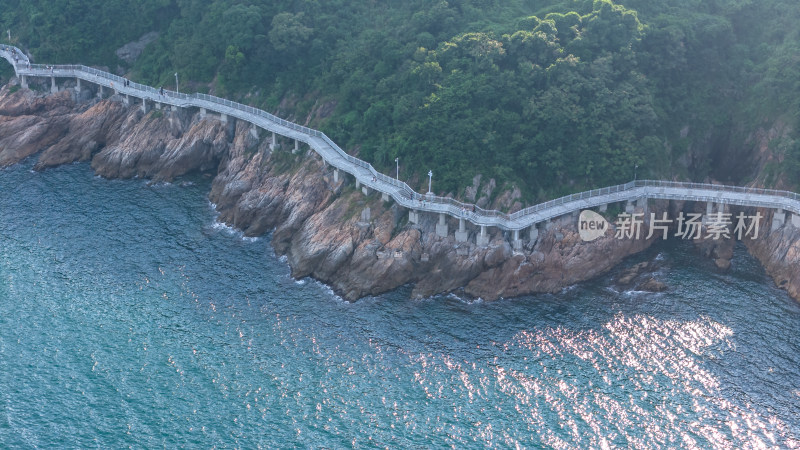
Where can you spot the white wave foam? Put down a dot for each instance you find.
(231, 231)
(466, 301)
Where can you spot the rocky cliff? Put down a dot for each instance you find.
(320, 224)
(779, 252)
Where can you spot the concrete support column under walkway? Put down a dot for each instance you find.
(53, 87)
(144, 105)
(483, 239)
(413, 217)
(77, 84)
(441, 227)
(274, 143)
(516, 242)
(335, 175)
(778, 218)
(203, 112)
(23, 82)
(534, 233)
(795, 220)
(641, 203)
(461, 234)
(296, 146)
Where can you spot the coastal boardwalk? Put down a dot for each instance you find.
(633, 193)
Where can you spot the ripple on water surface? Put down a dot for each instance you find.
(131, 316)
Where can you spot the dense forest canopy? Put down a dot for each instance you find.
(551, 96)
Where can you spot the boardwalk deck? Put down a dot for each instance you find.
(398, 190)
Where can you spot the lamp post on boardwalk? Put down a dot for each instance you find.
(397, 160)
(176, 83)
(430, 182)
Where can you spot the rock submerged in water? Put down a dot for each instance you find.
(652, 285)
(637, 272)
(723, 263)
(628, 275)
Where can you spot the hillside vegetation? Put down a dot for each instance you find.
(551, 96)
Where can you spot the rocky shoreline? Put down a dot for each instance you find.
(318, 221)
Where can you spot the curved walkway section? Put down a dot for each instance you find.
(398, 190)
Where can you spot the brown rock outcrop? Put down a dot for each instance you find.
(318, 224)
(779, 253)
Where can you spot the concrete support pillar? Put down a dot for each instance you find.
(384, 197)
(53, 87)
(203, 112)
(175, 108)
(642, 204)
(364, 190)
(534, 233)
(461, 234)
(23, 82)
(483, 239)
(100, 91)
(158, 105)
(224, 119)
(709, 208)
(603, 208)
(516, 242)
(629, 207)
(441, 227)
(127, 99)
(778, 218)
(413, 217)
(144, 105)
(796, 220)
(358, 184)
(296, 146)
(274, 142)
(77, 84)
(366, 215)
(335, 175)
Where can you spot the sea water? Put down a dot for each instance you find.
(130, 317)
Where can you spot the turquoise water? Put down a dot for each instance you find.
(131, 318)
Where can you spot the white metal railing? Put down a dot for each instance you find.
(399, 190)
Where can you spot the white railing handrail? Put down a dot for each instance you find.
(401, 192)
